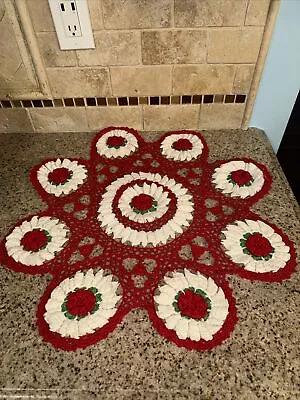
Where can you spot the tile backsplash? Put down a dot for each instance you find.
(158, 49)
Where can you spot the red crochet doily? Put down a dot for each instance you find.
(150, 225)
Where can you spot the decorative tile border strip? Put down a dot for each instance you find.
(124, 101)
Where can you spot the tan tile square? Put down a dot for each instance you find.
(59, 119)
(196, 13)
(14, 120)
(95, 14)
(79, 82)
(40, 15)
(113, 48)
(141, 81)
(175, 99)
(243, 78)
(170, 117)
(202, 79)
(221, 116)
(257, 12)
(112, 101)
(118, 116)
(120, 14)
(51, 53)
(219, 98)
(143, 100)
(57, 103)
(174, 47)
(234, 45)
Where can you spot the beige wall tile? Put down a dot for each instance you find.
(95, 14)
(141, 81)
(16, 70)
(203, 79)
(10, 56)
(113, 48)
(174, 47)
(51, 53)
(18, 83)
(195, 13)
(40, 15)
(221, 116)
(118, 116)
(234, 45)
(243, 78)
(120, 14)
(14, 120)
(257, 12)
(170, 117)
(59, 119)
(79, 82)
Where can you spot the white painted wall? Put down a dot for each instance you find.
(280, 81)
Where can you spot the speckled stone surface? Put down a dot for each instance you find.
(259, 361)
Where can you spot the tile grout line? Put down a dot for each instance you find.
(199, 116)
(172, 13)
(30, 119)
(87, 119)
(141, 52)
(142, 114)
(247, 7)
(179, 28)
(84, 67)
(102, 14)
(110, 83)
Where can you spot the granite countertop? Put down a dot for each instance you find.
(259, 361)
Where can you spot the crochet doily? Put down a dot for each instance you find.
(150, 225)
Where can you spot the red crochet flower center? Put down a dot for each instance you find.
(258, 245)
(192, 305)
(34, 240)
(115, 141)
(241, 177)
(149, 226)
(142, 202)
(182, 144)
(81, 302)
(59, 175)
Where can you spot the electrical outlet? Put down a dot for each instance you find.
(70, 18)
(72, 24)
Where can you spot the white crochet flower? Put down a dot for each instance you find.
(238, 179)
(160, 201)
(182, 147)
(82, 304)
(256, 246)
(192, 305)
(37, 240)
(61, 177)
(154, 186)
(116, 143)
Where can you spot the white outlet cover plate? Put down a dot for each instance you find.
(66, 41)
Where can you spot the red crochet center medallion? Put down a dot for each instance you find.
(150, 225)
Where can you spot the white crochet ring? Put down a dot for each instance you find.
(153, 188)
(153, 205)
(182, 147)
(36, 241)
(192, 305)
(116, 143)
(81, 304)
(238, 179)
(60, 177)
(255, 246)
